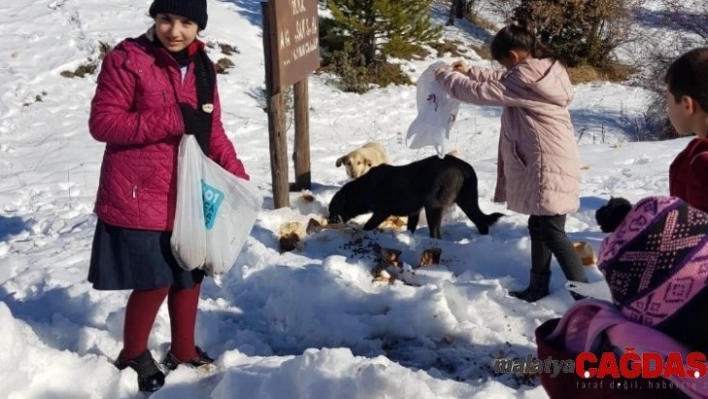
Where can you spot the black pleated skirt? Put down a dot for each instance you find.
(129, 259)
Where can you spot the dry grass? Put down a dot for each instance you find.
(385, 73)
(448, 46)
(482, 22)
(228, 49)
(614, 73)
(38, 98)
(476, 19)
(103, 48)
(81, 71)
(90, 66)
(415, 53)
(223, 65)
(482, 51)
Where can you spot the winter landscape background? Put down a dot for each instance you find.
(303, 324)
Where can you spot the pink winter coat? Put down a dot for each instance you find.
(538, 170)
(135, 112)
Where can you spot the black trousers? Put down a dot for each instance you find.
(548, 239)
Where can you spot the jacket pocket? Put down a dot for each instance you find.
(516, 154)
(149, 98)
(148, 91)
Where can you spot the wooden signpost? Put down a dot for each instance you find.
(291, 51)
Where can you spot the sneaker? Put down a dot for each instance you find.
(150, 377)
(202, 361)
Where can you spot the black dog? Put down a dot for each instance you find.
(431, 183)
(612, 214)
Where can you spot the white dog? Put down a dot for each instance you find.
(359, 161)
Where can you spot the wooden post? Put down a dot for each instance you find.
(277, 139)
(302, 136)
(291, 52)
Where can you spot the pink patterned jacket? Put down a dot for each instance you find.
(656, 266)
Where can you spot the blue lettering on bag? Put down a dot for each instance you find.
(211, 198)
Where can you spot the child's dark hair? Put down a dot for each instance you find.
(688, 76)
(612, 214)
(519, 35)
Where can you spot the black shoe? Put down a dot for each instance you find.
(202, 361)
(537, 289)
(150, 377)
(530, 294)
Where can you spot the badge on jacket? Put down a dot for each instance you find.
(208, 108)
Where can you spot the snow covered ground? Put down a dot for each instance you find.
(303, 324)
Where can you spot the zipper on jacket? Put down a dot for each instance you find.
(137, 178)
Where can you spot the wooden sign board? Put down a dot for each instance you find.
(294, 40)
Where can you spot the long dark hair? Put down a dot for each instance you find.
(519, 35)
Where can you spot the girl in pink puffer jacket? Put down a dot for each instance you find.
(539, 165)
(150, 92)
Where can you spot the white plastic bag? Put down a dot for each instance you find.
(188, 240)
(211, 236)
(231, 206)
(437, 112)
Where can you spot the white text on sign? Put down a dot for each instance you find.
(284, 38)
(297, 6)
(305, 48)
(304, 29)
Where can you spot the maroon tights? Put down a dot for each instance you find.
(140, 314)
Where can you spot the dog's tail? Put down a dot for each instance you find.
(468, 201)
(480, 219)
(492, 219)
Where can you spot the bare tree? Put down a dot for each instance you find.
(504, 8)
(689, 16)
(581, 32)
(689, 22)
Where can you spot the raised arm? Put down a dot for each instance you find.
(480, 74)
(487, 92)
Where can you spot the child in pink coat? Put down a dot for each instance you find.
(539, 165)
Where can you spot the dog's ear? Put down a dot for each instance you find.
(340, 161)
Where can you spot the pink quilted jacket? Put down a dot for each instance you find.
(135, 112)
(539, 165)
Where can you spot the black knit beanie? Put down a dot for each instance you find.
(195, 10)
